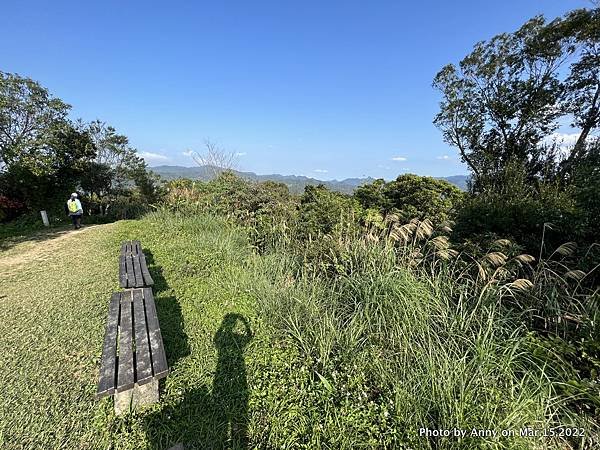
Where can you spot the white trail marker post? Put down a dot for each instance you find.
(45, 218)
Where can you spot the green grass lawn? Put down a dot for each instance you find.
(54, 293)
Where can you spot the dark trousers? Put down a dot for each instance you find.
(76, 218)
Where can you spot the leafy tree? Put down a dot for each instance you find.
(70, 149)
(411, 196)
(373, 195)
(113, 152)
(507, 96)
(54, 173)
(582, 86)
(29, 119)
(97, 179)
(118, 166)
(498, 104)
(110, 146)
(500, 107)
(42, 154)
(147, 182)
(586, 192)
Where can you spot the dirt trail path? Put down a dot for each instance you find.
(41, 248)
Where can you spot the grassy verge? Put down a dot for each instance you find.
(264, 353)
(54, 305)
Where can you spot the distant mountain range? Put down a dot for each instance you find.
(295, 183)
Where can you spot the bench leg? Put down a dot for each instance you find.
(143, 395)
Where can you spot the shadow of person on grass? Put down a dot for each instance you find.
(216, 420)
(230, 385)
(169, 314)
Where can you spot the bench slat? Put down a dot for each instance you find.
(122, 271)
(159, 360)
(148, 281)
(130, 274)
(123, 248)
(143, 360)
(137, 271)
(107, 378)
(125, 378)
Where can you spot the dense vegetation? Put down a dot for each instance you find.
(408, 304)
(501, 107)
(44, 156)
(398, 328)
(383, 338)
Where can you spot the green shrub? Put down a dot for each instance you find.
(323, 211)
(267, 209)
(586, 193)
(411, 196)
(9, 209)
(520, 215)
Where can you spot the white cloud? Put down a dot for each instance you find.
(188, 153)
(565, 141)
(321, 170)
(444, 157)
(152, 157)
(398, 158)
(240, 154)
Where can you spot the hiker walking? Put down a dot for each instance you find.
(75, 210)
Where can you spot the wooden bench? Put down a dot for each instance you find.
(133, 355)
(133, 270)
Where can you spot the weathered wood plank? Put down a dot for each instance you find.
(108, 369)
(143, 359)
(159, 359)
(123, 248)
(148, 281)
(137, 270)
(125, 375)
(122, 271)
(129, 269)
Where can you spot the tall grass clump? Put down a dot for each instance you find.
(401, 329)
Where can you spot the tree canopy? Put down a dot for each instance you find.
(504, 100)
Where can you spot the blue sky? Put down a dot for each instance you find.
(328, 89)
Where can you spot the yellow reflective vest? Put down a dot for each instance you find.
(73, 206)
